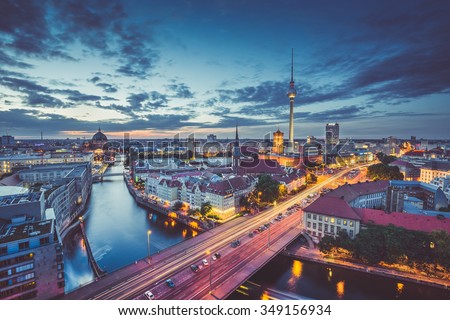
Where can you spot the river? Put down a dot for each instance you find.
(117, 231)
(284, 277)
(116, 228)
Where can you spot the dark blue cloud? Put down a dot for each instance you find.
(180, 90)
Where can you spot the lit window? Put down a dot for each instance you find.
(332, 220)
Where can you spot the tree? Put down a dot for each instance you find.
(244, 202)
(177, 206)
(193, 212)
(326, 244)
(267, 189)
(369, 245)
(205, 209)
(344, 241)
(385, 159)
(311, 178)
(384, 172)
(441, 247)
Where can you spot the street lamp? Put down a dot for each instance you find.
(149, 232)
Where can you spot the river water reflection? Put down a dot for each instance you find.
(288, 278)
(117, 231)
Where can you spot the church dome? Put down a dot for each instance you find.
(99, 136)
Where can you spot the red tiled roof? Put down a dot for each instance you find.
(417, 222)
(415, 153)
(350, 192)
(10, 181)
(331, 206)
(227, 186)
(260, 166)
(170, 183)
(401, 163)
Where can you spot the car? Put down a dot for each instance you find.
(217, 255)
(170, 283)
(205, 262)
(194, 268)
(238, 242)
(149, 295)
(213, 257)
(250, 234)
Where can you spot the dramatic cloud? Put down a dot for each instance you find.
(180, 90)
(214, 64)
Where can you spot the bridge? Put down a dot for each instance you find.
(99, 177)
(220, 277)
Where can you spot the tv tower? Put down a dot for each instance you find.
(291, 94)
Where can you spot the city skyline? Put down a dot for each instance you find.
(158, 69)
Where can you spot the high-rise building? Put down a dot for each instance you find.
(31, 260)
(331, 135)
(236, 152)
(7, 140)
(278, 142)
(291, 94)
(211, 138)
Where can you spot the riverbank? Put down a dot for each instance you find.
(314, 255)
(154, 206)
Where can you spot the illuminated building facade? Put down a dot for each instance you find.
(278, 142)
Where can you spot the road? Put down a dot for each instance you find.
(175, 262)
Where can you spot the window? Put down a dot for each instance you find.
(309, 215)
(25, 277)
(332, 220)
(24, 245)
(338, 229)
(344, 222)
(320, 227)
(309, 224)
(351, 233)
(325, 228)
(351, 223)
(25, 267)
(44, 241)
(332, 229)
(339, 221)
(320, 218)
(314, 216)
(326, 219)
(314, 225)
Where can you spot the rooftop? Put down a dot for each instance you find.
(331, 206)
(20, 198)
(26, 230)
(11, 190)
(76, 172)
(349, 192)
(402, 163)
(417, 222)
(437, 165)
(10, 181)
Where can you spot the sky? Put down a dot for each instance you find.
(157, 68)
